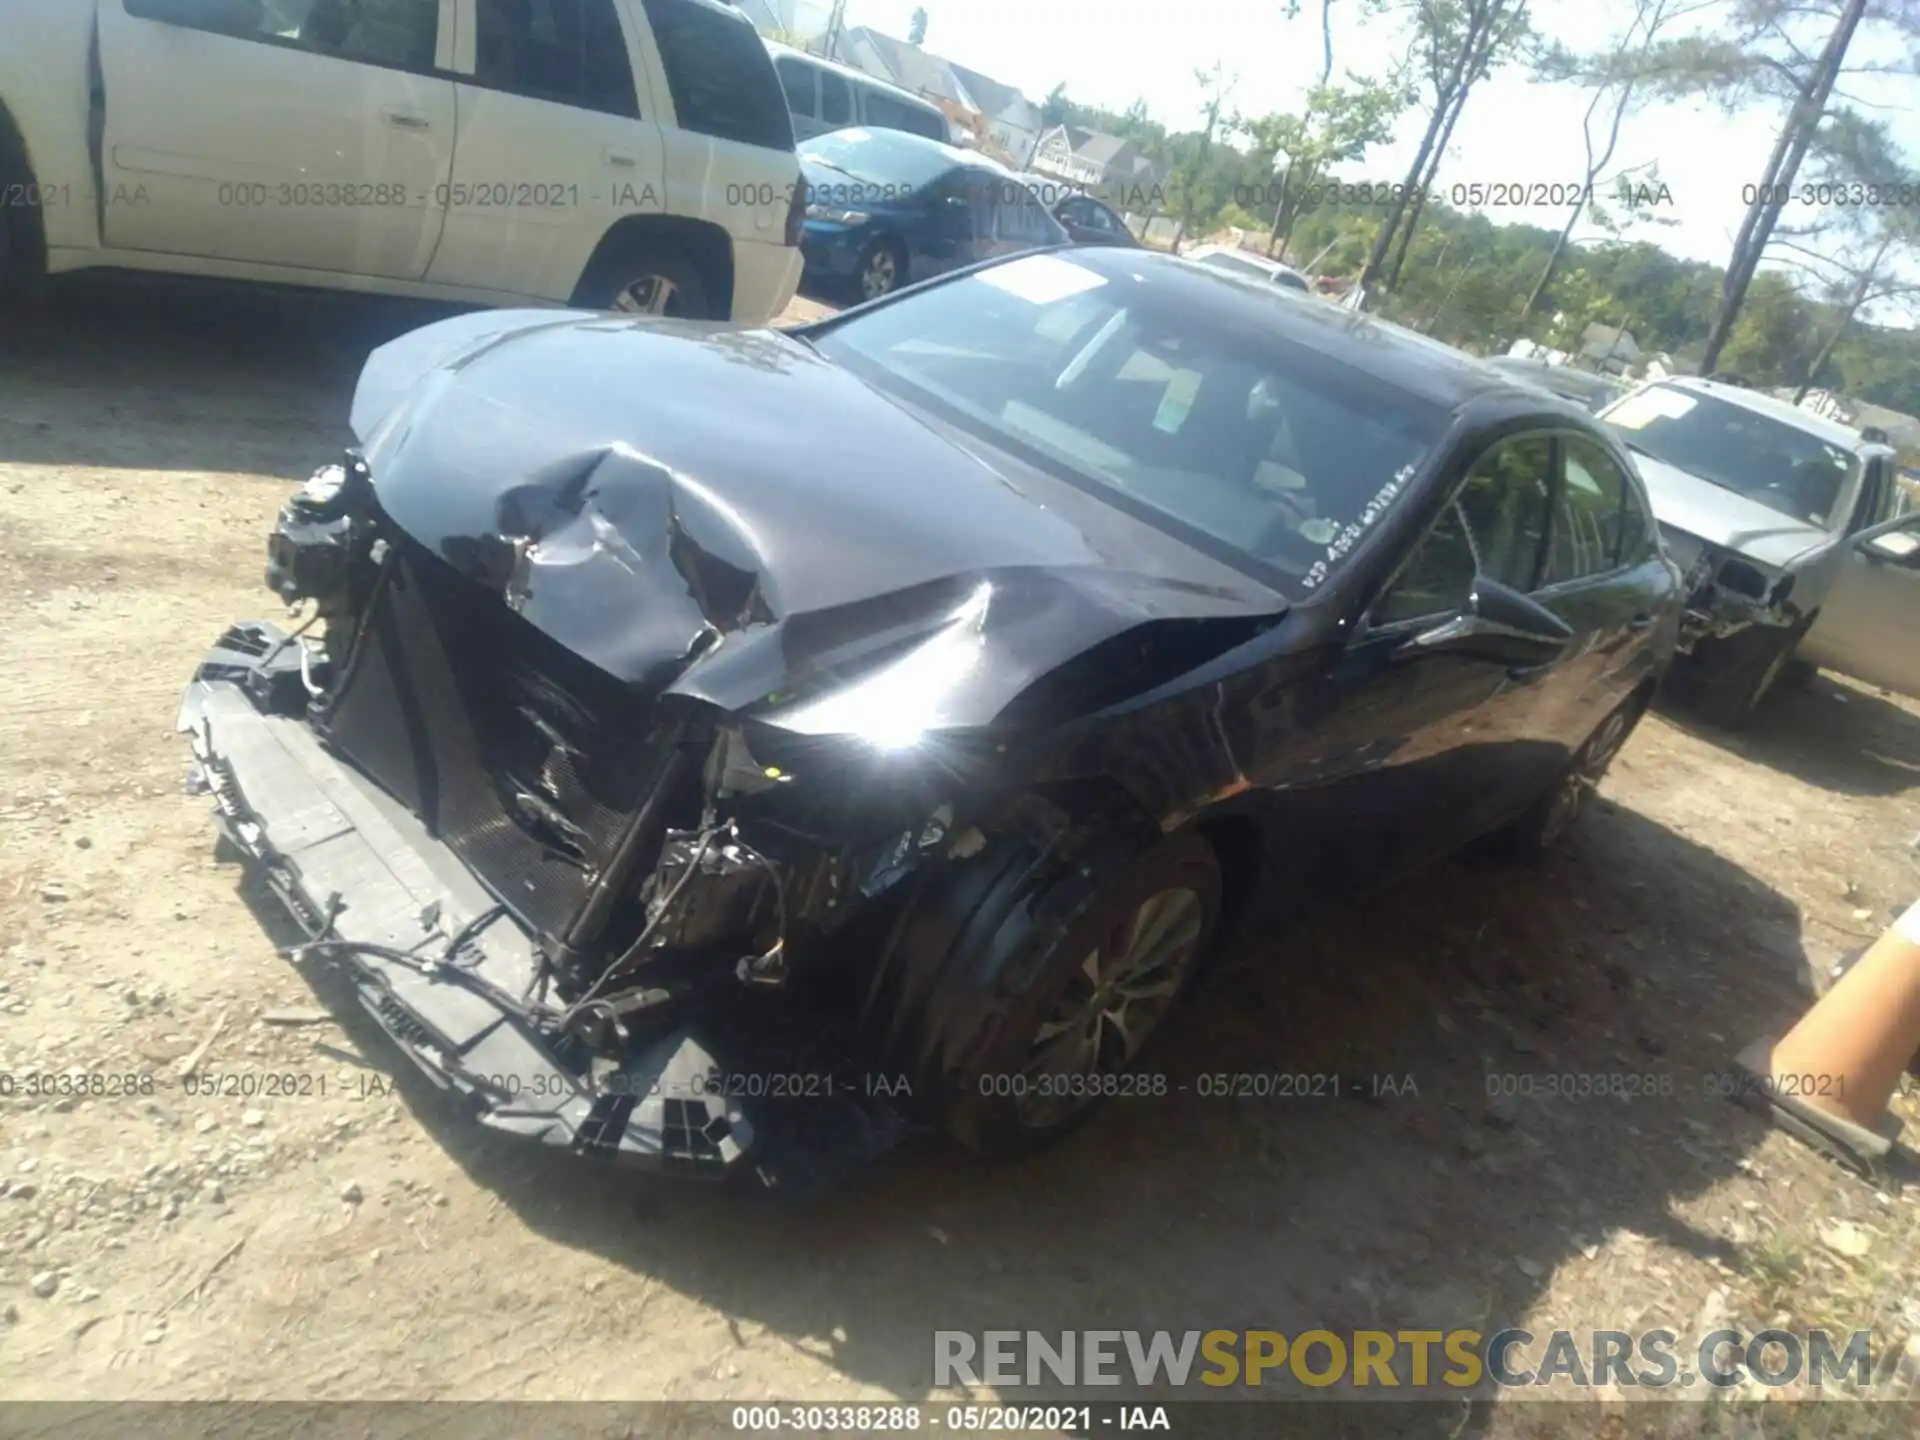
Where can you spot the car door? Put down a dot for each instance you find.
(728, 141)
(310, 134)
(1869, 627)
(1018, 222)
(1409, 749)
(556, 145)
(1604, 577)
(947, 222)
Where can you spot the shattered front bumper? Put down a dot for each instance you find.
(355, 868)
(1714, 610)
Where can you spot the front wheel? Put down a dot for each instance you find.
(1728, 680)
(1554, 815)
(1052, 989)
(644, 278)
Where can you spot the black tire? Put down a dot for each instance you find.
(1551, 818)
(22, 276)
(993, 953)
(1727, 681)
(882, 263)
(645, 277)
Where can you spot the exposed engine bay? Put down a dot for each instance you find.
(631, 875)
(605, 789)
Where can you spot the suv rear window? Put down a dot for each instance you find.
(886, 111)
(571, 52)
(721, 76)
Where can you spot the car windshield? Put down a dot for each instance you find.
(1245, 442)
(1768, 461)
(888, 161)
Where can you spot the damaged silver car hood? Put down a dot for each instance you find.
(1725, 519)
(724, 514)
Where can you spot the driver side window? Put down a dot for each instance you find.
(1493, 526)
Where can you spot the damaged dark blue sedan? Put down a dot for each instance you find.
(724, 749)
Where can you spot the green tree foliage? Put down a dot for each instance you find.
(1292, 155)
(1458, 43)
(1793, 53)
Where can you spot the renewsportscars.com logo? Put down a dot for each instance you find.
(1378, 1363)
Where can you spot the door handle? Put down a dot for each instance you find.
(621, 159)
(408, 120)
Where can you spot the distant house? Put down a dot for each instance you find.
(895, 61)
(1013, 122)
(1097, 161)
(998, 116)
(1610, 348)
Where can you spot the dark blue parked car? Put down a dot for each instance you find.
(886, 209)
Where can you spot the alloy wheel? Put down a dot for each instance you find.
(880, 274)
(649, 295)
(1583, 777)
(1121, 990)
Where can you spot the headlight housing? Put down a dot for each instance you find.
(834, 216)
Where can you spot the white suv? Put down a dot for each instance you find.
(613, 154)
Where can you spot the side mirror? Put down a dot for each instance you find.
(1901, 547)
(1892, 541)
(1499, 623)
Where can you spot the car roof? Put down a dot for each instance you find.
(953, 154)
(873, 82)
(1425, 368)
(1760, 403)
(1272, 267)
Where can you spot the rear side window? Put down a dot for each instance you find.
(401, 34)
(1587, 521)
(721, 76)
(796, 78)
(571, 52)
(836, 99)
(892, 114)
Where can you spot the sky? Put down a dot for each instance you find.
(1111, 54)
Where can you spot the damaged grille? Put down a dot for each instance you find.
(524, 759)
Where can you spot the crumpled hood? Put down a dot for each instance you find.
(1721, 517)
(648, 492)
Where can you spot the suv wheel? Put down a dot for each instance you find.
(1728, 680)
(645, 278)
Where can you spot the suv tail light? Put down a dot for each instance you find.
(797, 211)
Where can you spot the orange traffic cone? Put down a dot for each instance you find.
(1828, 1080)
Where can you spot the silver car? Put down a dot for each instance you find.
(1794, 534)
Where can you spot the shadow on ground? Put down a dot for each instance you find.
(255, 379)
(1636, 954)
(1840, 737)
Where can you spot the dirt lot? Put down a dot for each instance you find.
(362, 1243)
